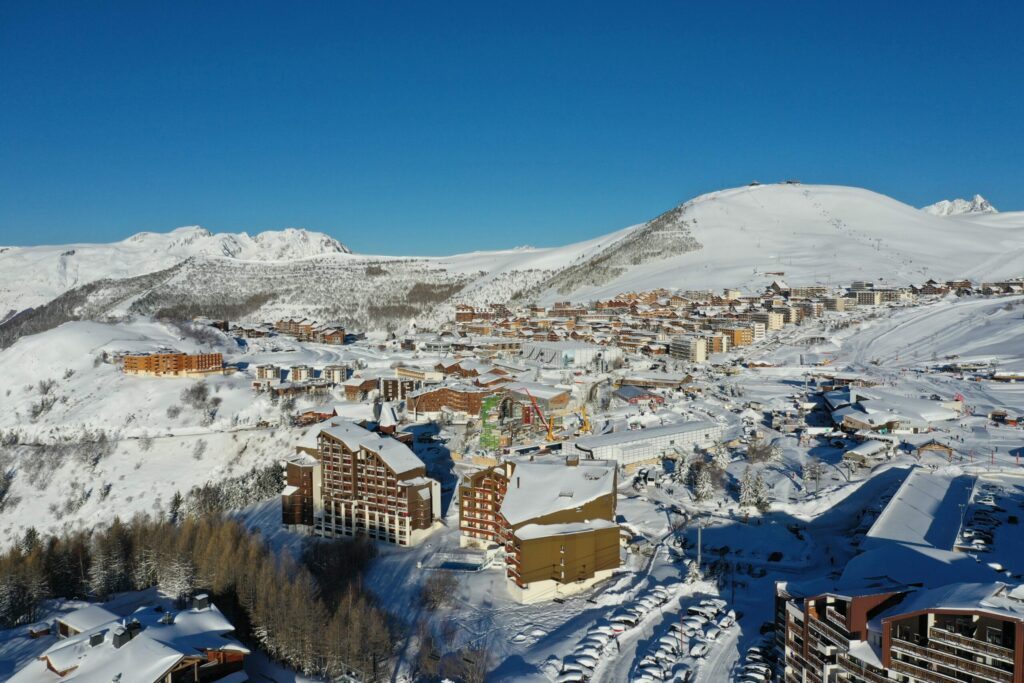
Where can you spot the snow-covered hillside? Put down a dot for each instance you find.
(739, 237)
(958, 207)
(35, 275)
(814, 234)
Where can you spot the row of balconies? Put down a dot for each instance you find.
(829, 632)
(940, 658)
(973, 644)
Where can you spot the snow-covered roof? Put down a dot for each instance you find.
(536, 490)
(987, 597)
(88, 617)
(534, 531)
(926, 510)
(145, 658)
(631, 435)
(396, 454)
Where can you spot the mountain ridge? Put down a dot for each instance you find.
(736, 237)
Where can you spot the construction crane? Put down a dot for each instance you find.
(550, 423)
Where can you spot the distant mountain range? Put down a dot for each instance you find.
(959, 207)
(739, 237)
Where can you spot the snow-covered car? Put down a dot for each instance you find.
(598, 637)
(760, 669)
(712, 633)
(695, 621)
(671, 641)
(699, 650)
(586, 661)
(627, 618)
(725, 622)
(653, 671)
(706, 611)
(585, 651)
(649, 601)
(571, 677)
(601, 628)
(681, 673)
(718, 603)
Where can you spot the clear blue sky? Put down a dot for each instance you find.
(434, 127)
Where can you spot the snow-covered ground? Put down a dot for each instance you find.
(813, 528)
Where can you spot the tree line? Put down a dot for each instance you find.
(320, 622)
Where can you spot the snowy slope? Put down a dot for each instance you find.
(35, 275)
(820, 234)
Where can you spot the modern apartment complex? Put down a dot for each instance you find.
(345, 480)
(173, 364)
(554, 521)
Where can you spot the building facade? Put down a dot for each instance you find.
(174, 364)
(357, 483)
(553, 521)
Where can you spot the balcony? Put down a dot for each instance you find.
(989, 673)
(972, 644)
(833, 614)
(861, 672)
(921, 673)
(829, 632)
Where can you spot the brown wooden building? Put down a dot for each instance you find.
(174, 364)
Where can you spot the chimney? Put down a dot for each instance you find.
(517, 482)
(121, 636)
(201, 601)
(96, 638)
(167, 618)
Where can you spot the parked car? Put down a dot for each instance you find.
(699, 650)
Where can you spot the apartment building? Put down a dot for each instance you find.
(173, 364)
(554, 521)
(345, 480)
(869, 298)
(458, 397)
(971, 632)
(689, 347)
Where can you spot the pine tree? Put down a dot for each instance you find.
(720, 458)
(762, 499)
(747, 493)
(704, 488)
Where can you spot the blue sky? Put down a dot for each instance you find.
(426, 128)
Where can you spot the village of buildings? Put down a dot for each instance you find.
(664, 485)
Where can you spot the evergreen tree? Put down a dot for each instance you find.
(720, 458)
(762, 498)
(704, 487)
(747, 493)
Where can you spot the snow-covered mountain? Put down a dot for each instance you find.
(959, 207)
(739, 237)
(35, 275)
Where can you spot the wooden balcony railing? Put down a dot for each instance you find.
(829, 632)
(921, 673)
(854, 667)
(947, 659)
(968, 643)
(833, 614)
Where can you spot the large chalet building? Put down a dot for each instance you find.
(152, 645)
(554, 521)
(173, 364)
(345, 480)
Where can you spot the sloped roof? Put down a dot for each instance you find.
(536, 490)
